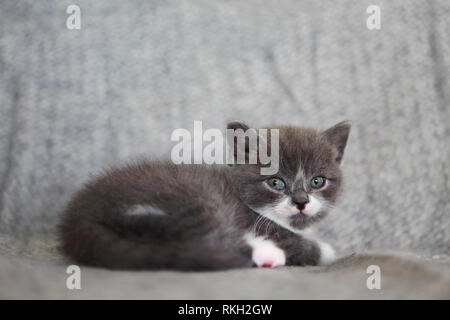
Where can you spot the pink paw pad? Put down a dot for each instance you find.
(268, 257)
(267, 264)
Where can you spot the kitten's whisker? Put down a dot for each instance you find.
(269, 224)
(261, 222)
(258, 220)
(264, 221)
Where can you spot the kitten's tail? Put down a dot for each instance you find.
(103, 247)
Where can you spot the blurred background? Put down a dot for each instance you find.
(75, 101)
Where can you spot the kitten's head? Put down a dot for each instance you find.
(308, 180)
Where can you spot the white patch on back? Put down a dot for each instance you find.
(140, 209)
(264, 252)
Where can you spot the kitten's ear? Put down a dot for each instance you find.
(337, 136)
(234, 125)
(249, 151)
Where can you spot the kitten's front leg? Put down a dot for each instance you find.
(265, 253)
(301, 251)
(327, 253)
(290, 249)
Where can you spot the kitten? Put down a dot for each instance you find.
(197, 217)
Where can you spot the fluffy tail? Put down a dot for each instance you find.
(98, 245)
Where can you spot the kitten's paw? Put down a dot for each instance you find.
(268, 256)
(265, 254)
(327, 253)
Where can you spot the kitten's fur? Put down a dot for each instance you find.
(197, 217)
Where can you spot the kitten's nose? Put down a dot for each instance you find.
(300, 200)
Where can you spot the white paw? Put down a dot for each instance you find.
(327, 253)
(268, 256)
(265, 253)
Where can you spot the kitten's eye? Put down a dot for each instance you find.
(276, 183)
(317, 182)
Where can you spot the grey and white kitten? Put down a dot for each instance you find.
(198, 217)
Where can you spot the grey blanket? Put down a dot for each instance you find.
(75, 101)
(402, 277)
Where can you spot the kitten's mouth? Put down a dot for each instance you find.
(301, 213)
(293, 211)
(297, 213)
